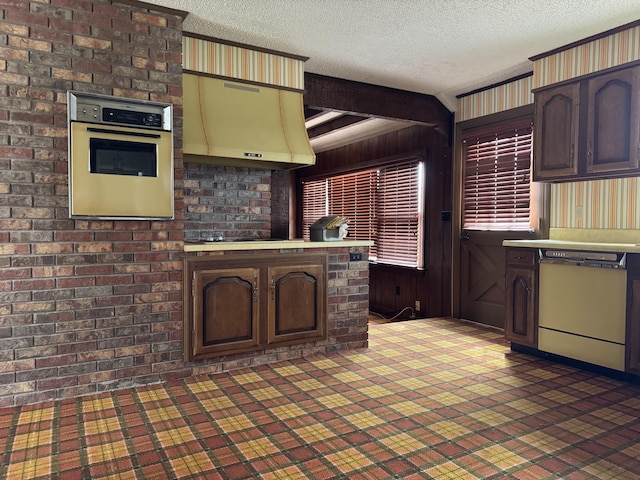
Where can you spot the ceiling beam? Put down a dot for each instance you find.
(335, 124)
(322, 92)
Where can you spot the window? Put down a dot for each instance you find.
(497, 177)
(383, 204)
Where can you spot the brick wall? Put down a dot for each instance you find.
(87, 306)
(228, 202)
(348, 292)
(84, 305)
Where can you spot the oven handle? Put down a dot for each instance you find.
(119, 132)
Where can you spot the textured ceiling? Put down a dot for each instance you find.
(439, 47)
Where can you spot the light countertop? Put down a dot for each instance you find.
(272, 245)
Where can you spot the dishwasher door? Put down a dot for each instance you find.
(582, 313)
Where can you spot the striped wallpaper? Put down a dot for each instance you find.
(607, 52)
(217, 58)
(494, 100)
(596, 204)
(608, 204)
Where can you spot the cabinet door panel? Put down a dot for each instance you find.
(226, 311)
(296, 303)
(521, 325)
(613, 126)
(633, 328)
(556, 147)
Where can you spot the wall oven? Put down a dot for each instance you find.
(120, 158)
(582, 306)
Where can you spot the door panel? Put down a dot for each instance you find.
(614, 124)
(489, 197)
(296, 303)
(556, 138)
(482, 275)
(224, 325)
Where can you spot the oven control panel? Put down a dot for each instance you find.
(90, 108)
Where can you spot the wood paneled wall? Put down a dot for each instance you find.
(392, 288)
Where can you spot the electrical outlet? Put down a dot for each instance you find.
(417, 305)
(355, 257)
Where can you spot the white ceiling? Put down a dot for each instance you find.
(438, 47)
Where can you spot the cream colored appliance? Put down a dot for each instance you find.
(239, 124)
(582, 306)
(120, 158)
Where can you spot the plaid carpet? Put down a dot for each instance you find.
(429, 399)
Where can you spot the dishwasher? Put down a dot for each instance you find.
(582, 306)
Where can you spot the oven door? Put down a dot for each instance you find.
(120, 172)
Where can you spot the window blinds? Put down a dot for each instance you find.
(382, 204)
(497, 179)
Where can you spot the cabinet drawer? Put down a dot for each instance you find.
(522, 256)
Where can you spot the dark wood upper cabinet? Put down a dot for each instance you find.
(613, 130)
(589, 128)
(556, 146)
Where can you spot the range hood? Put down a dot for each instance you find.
(239, 124)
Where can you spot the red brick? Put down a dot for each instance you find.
(97, 247)
(73, 236)
(49, 248)
(76, 347)
(131, 247)
(114, 279)
(96, 377)
(89, 270)
(69, 392)
(133, 371)
(116, 236)
(150, 277)
(39, 284)
(56, 361)
(76, 282)
(94, 356)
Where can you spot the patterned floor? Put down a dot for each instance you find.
(429, 399)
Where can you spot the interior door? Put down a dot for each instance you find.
(482, 275)
(498, 202)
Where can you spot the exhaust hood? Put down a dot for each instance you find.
(227, 122)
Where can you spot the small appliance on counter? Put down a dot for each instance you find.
(329, 228)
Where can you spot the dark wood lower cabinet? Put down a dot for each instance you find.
(521, 278)
(633, 329)
(632, 340)
(296, 305)
(241, 303)
(226, 303)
